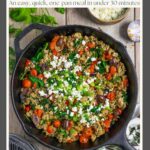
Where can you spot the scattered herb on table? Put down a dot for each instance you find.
(27, 15)
(60, 10)
(22, 14)
(14, 31)
(44, 19)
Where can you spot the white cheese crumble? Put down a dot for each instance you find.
(42, 93)
(77, 68)
(71, 114)
(47, 74)
(50, 91)
(80, 111)
(53, 63)
(89, 81)
(77, 56)
(83, 42)
(68, 65)
(93, 59)
(74, 109)
(107, 14)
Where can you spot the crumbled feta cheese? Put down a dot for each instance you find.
(47, 74)
(68, 111)
(42, 93)
(83, 120)
(62, 94)
(74, 109)
(93, 59)
(71, 114)
(87, 73)
(83, 42)
(107, 14)
(80, 111)
(55, 108)
(50, 91)
(77, 68)
(68, 64)
(89, 81)
(96, 67)
(53, 63)
(55, 58)
(55, 92)
(107, 104)
(77, 56)
(102, 119)
(93, 119)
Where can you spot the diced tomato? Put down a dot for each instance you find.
(92, 68)
(57, 123)
(119, 111)
(80, 52)
(26, 83)
(34, 85)
(91, 44)
(83, 139)
(67, 102)
(107, 56)
(87, 48)
(50, 129)
(113, 70)
(108, 76)
(54, 41)
(27, 108)
(39, 112)
(33, 72)
(94, 62)
(27, 63)
(54, 52)
(70, 125)
(111, 96)
(107, 123)
(88, 132)
(41, 76)
(107, 129)
(125, 82)
(110, 116)
(69, 141)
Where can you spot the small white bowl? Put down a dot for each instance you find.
(134, 31)
(132, 123)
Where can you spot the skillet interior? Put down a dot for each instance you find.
(30, 51)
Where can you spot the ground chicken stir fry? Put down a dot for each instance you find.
(74, 88)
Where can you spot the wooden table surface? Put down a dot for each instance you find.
(79, 16)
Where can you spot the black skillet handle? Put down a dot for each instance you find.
(27, 30)
(121, 140)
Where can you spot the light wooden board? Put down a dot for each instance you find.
(78, 16)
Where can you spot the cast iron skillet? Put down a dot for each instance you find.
(117, 132)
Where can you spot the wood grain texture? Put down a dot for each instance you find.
(77, 16)
(138, 56)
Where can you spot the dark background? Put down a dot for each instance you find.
(3, 75)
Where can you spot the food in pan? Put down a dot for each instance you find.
(74, 88)
(108, 14)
